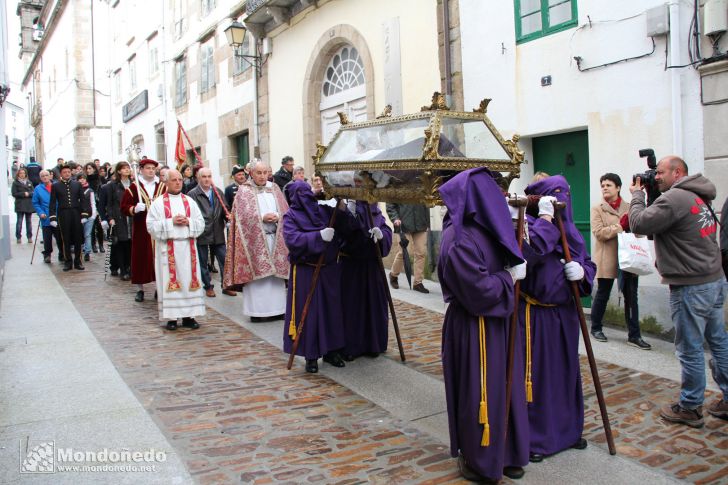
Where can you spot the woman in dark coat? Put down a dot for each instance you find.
(22, 190)
(95, 182)
(121, 223)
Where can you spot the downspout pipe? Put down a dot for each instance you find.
(676, 83)
(93, 64)
(446, 47)
(257, 72)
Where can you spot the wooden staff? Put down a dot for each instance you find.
(386, 286)
(521, 204)
(36, 241)
(214, 189)
(584, 333)
(309, 296)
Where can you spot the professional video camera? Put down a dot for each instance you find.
(648, 176)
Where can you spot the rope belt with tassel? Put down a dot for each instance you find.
(530, 301)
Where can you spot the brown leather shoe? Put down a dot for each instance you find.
(675, 413)
(421, 288)
(394, 282)
(229, 293)
(719, 409)
(210, 292)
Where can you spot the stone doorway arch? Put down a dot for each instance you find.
(331, 42)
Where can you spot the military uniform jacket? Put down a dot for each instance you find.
(68, 195)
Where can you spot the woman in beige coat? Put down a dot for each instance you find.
(608, 219)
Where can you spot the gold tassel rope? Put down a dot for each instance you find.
(529, 382)
(292, 324)
(483, 411)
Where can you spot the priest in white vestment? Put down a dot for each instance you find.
(174, 221)
(257, 257)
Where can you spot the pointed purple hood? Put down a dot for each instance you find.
(473, 195)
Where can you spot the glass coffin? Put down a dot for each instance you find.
(406, 158)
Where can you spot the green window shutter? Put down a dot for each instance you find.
(538, 18)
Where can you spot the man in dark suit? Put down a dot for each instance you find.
(69, 209)
(212, 240)
(238, 174)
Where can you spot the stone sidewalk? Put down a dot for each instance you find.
(220, 401)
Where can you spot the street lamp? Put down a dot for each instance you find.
(235, 35)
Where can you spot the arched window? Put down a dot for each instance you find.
(345, 71)
(344, 89)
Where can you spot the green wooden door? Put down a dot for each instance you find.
(243, 149)
(567, 154)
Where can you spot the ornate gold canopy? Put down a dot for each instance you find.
(406, 158)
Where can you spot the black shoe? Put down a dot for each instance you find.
(213, 270)
(513, 472)
(190, 322)
(86, 257)
(535, 457)
(172, 325)
(334, 359)
(78, 265)
(95, 249)
(580, 445)
(639, 343)
(101, 249)
(114, 272)
(393, 282)
(46, 259)
(67, 265)
(470, 474)
(371, 355)
(421, 288)
(348, 357)
(312, 365)
(139, 296)
(125, 277)
(256, 319)
(599, 336)
(155, 294)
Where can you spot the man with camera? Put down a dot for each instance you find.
(688, 259)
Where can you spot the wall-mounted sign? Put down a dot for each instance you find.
(135, 106)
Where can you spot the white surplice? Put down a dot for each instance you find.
(182, 302)
(266, 297)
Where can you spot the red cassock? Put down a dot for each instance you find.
(142, 246)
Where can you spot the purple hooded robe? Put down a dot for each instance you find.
(364, 294)
(323, 330)
(478, 241)
(556, 413)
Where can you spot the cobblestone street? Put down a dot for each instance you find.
(224, 401)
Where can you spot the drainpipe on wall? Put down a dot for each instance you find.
(257, 70)
(676, 85)
(446, 42)
(93, 64)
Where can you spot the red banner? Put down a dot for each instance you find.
(179, 152)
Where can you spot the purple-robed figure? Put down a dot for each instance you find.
(323, 330)
(556, 410)
(478, 242)
(364, 291)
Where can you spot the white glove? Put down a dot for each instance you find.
(327, 234)
(140, 207)
(54, 224)
(351, 205)
(376, 234)
(546, 206)
(518, 272)
(84, 220)
(573, 271)
(104, 225)
(512, 210)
